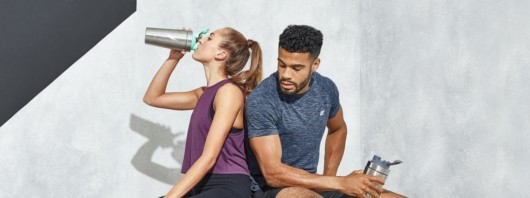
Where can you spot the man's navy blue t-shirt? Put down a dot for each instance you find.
(299, 120)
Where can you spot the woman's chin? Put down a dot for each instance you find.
(195, 57)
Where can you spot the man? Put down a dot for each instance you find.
(287, 115)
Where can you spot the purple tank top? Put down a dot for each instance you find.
(232, 158)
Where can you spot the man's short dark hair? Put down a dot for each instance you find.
(301, 39)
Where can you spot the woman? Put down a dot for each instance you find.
(214, 158)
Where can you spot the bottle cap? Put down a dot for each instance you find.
(384, 164)
(195, 39)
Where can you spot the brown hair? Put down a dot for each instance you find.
(238, 53)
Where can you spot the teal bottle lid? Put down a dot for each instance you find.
(195, 40)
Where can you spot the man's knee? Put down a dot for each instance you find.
(294, 192)
(389, 194)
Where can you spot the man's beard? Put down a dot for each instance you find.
(297, 87)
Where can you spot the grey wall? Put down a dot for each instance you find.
(437, 84)
(444, 87)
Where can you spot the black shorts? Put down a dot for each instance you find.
(269, 192)
(222, 185)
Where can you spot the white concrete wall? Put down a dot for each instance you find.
(444, 88)
(89, 134)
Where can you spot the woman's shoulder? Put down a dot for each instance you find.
(230, 90)
(230, 87)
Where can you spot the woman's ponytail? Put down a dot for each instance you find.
(253, 76)
(238, 48)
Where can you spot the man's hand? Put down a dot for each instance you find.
(358, 185)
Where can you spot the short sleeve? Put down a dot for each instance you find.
(335, 103)
(261, 116)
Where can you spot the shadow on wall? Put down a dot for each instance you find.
(158, 136)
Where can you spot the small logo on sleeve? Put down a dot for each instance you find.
(322, 112)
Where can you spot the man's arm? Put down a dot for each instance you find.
(268, 152)
(335, 141)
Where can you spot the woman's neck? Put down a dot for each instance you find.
(214, 74)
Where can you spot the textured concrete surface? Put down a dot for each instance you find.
(444, 88)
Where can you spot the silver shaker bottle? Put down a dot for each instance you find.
(379, 168)
(173, 38)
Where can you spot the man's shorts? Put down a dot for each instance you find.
(268, 192)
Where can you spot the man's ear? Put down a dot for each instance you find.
(315, 65)
(221, 55)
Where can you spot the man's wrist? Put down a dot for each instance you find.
(335, 183)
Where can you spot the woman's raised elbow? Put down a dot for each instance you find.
(149, 100)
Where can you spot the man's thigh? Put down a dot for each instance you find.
(268, 193)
